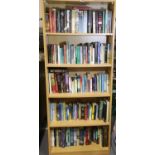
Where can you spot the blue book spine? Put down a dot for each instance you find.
(105, 83)
(102, 82)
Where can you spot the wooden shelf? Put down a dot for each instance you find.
(77, 123)
(78, 95)
(84, 148)
(79, 65)
(79, 34)
(75, 1)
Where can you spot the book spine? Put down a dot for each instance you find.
(108, 52)
(50, 20)
(54, 20)
(107, 117)
(52, 138)
(100, 22)
(94, 24)
(73, 21)
(85, 21)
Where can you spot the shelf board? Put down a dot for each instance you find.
(78, 65)
(84, 148)
(77, 123)
(78, 95)
(79, 34)
(75, 1)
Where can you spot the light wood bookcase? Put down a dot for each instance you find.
(93, 149)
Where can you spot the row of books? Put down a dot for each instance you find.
(79, 20)
(89, 53)
(79, 111)
(65, 137)
(62, 81)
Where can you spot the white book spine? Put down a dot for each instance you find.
(73, 21)
(58, 54)
(103, 50)
(52, 138)
(93, 56)
(75, 85)
(91, 85)
(76, 21)
(68, 11)
(81, 55)
(94, 29)
(84, 22)
(106, 20)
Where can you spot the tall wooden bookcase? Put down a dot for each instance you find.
(76, 38)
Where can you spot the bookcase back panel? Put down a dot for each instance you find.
(80, 100)
(75, 39)
(91, 5)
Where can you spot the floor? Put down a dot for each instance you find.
(43, 150)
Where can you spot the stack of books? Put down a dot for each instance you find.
(88, 53)
(62, 81)
(65, 137)
(62, 111)
(79, 19)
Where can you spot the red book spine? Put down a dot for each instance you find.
(50, 20)
(86, 112)
(87, 138)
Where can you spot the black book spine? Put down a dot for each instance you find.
(49, 53)
(58, 20)
(72, 136)
(105, 136)
(96, 53)
(106, 53)
(96, 21)
(82, 111)
(55, 140)
(104, 110)
(63, 137)
(62, 21)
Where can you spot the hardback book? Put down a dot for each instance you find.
(105, 136)
(73, 20)
(89, 21)
(52, 138)
(100, 16)
(94, 22)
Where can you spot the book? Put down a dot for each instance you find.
(87, 53)
(77, 19)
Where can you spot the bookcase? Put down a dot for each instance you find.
(79, 50)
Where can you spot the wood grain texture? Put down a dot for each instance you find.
(78, 123)
(79, 65)
(78, 95)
